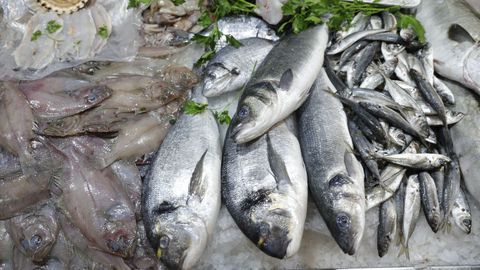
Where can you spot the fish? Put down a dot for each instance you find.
(375, 97)
(62, 95)
(387, 226)
(386, 37)
(443, 91)
(35, 233)
(280, 85)
(452, 118)
(129, 176)
(423, 161)
(430, 95)
(430, 201)
(264, 187)
(375, 22)
(181, 192)
(142, 136)
(389, 20)
(390, 179)
(425, 55)
(451, 29)
(106, 217)
(270, 10)
(461, 213)
(241, 27)
(351, 51)
(144, 256)
(363, 59)
(358, 23)
(347, 41)
(399, 198)
(231, 68)
(451, 187)
(335, 176)
(364, 148)
(411, 211)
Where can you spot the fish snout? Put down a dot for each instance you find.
(273, 240)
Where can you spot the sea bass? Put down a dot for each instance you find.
(280, 84)
(181, 192)
(264, 186)
(335, 176)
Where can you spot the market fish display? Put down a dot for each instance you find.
(181, 192)
(335, 176)
(264, 187)
(280, 84)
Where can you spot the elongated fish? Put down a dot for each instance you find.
(280, 84)
(335, 176)
(264, 186)
(411, 211)
(430, 202)
(387, 226)
(181, 192)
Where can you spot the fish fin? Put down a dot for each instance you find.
(286, 80)
(354, 168)
(277, 165)
(198, 184)
(404, 250)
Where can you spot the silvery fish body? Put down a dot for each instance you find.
(280, 84)
(264, 186)
(336, 177)
(181, 192)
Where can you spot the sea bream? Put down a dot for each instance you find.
(264, 186)
(280, 84)
(181, 192)
(335, 176)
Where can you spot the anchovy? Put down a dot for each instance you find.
(418, 161)
(430, 202)
(387, 226)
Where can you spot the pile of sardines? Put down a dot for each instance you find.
(100, 169)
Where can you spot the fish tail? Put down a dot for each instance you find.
(404, 250)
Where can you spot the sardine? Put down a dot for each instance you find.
(231, 68)
(363, 59)
(423, 161)
(264, 186)
(364, 148)
(387, 226)
(411, 212)
(181, 192)
(452, 118)
(443, 91)
(351, 51)
(336, 178)
(430, 202)
(280, 84)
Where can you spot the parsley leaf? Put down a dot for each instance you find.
(178, 2)
(223, 117)
(103, 32)
(136, 3)
(406, 21)
(193, 108)
(233, 41)
(53, 26)
(36, 35)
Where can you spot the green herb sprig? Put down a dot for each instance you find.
(194, 108)
(53, 26)
(36, 35)
(103, 32)
(407, 21)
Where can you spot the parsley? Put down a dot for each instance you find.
(53, 26)
(406, 21)
(194, 108)
(103, 32)
(178, 2)
(136, 3)
(36, 35)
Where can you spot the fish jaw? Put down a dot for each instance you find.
(213, 87)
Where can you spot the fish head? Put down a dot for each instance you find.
(471, 68)
(92, 95)
(218, 79)
(462, 218)
(61, 127)
(178, 237)
(347, 212)
(36, 236)
(120, 230)
(254, 115)
(390, 51)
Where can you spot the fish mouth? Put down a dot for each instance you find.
(240, 133)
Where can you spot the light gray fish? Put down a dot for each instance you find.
(443, 91)
(363, 59)
(280, 84)
(430, 201)
(375, 22)
(347, 41)
(411, 212)
(461, 213)
(181, 192)
(452, 118)
(387, 226)
(264, 187)
(336, 177)
(423, 161)
(231, 68)
(399, 205)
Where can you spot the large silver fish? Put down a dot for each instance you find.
(181, 192)
(452, 29)
(280, 84)
(335, 176)
(264, 186)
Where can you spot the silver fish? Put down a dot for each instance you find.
(411, 212)
(347, 41)
(422, 161)
(280, 84)
(387, 226)
(231, 68)
(336, 177)
(430, 201)
(443, 90)
(181, 192)
(461, 213)
(452, 118)
(264, 186)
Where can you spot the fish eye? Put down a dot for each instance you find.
(343, 221)
(92, 98)
(164, 241)
(235, 71)
(263, 229)
(36, 240)
(243, 112)
(212, 76)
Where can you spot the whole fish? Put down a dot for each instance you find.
(106, 216)
(399, 205)
(364, 148)
(386, 37)
(129, 176)
(387, 226)
(443, 91)
(452, 118)
(9, 164)
(430, 201)
(423, 161)
(181, 192)
(363, 59)
(425, 55)
(264, 186)
(351, 51)
(35, 233)
(452, 29)
(451, 187)
(280, 84)
(231, 68)
(62, 96)
(461, 213)
(335, 176)
(347, 41)
(411, 211)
